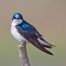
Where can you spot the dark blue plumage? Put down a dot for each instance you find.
(25, 31)
(17, 16)
(25, 26)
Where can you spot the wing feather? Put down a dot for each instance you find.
(33, 39)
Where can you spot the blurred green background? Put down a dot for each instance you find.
(48, 16)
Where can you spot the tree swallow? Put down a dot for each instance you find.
(25, 32)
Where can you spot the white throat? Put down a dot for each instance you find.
(14, 31)
(16, 22)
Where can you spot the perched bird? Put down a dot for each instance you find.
(25, 32)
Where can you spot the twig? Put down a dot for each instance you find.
(23, 54)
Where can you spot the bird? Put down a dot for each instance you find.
(23, 31)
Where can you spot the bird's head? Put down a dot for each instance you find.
(17, 19)
(17, 16)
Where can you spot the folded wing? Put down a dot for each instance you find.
(32, 38)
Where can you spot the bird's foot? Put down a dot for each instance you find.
(22, 44)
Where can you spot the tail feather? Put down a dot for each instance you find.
(43, 49)
(48, 52)
(47, 46)
(38, 45)
(45, 43)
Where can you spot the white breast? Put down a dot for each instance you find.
(16, 34)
